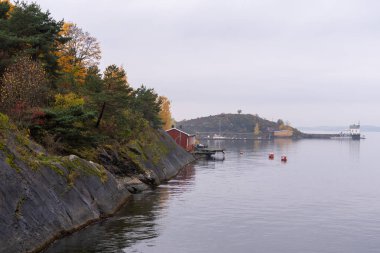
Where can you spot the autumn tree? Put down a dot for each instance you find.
(23, 86)
(5, 8)
(82, 47)
(81, 52)
(165, 113)
(42, 61)
(64, 101)
(257, 129)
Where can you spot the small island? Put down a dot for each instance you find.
(240, 126)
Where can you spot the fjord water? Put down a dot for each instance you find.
(326, 198)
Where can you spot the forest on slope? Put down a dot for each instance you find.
(52, 88)
(75, 141)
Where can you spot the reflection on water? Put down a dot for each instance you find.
(136, 222)
(326, 199)
(354, 147)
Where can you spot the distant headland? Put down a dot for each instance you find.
(243, 126)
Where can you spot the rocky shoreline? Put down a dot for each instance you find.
(43, 198)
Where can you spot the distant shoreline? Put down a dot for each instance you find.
(296, 137)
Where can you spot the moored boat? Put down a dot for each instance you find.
(219, 137)
(353, 133)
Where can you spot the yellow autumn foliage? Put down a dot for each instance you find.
(12, 6)
(66, 61)
(257, 129)
(65, 101)
(285, 127)
(165, 113)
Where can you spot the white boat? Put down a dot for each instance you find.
(219, 137)
(353, 133)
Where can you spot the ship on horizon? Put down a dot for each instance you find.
(353, 133)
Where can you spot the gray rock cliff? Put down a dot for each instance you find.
(44, 197)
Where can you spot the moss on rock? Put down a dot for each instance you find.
(18, 148)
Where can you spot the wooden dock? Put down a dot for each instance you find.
(207, 152)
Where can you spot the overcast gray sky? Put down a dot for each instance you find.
(308, 62)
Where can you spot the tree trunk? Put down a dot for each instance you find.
(100, 115)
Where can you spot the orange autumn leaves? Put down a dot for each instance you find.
(165, 113)
(79, 53)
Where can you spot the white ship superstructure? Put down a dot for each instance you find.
(355, 131)
(352, 133)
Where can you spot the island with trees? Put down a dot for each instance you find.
(239, 126)
(244, 126)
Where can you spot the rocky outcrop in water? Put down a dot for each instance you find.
(43, 197)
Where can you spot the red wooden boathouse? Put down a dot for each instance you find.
(185, 140)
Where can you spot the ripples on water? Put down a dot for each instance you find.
(325, 199)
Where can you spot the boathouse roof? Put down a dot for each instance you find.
(176, 129)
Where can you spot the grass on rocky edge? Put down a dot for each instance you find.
(17, 149)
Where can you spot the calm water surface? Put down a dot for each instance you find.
(326, 198)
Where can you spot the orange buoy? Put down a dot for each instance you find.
(271, 156)
(284, 158)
